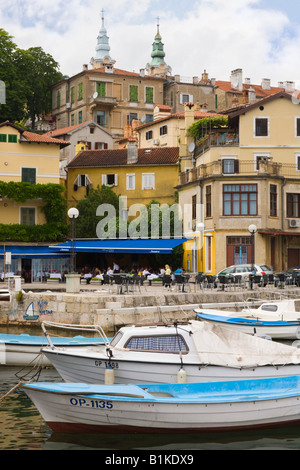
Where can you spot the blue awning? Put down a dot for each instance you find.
(31, 251)
(121, 246)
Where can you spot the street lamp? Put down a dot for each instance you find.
(73, 213)
(252, 229)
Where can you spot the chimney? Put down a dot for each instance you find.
(251, 95)
(248, 81)
(142, 72)
(132, 151)
(266, 84)
(280, 85)
(161, 111)
(85, 67)
(289, 87)
(189, 114)
(236, 79)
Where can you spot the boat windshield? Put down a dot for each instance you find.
(269, 308)
(116, 339)
(158, 343)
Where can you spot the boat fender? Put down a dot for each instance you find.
(181, 376)
(109, 376)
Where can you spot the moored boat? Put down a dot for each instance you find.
(193, 352)
(279, 319)
(25, 349)
(154, 408)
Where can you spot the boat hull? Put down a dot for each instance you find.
(110, 412)
(26, 350)
(92, 369)
(276, 330)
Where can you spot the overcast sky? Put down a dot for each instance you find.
(260, 36)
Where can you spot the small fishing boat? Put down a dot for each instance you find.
(171, 408)
(194, 351)
(278, 319)
(24, 349)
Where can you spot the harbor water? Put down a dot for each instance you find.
(23, 428)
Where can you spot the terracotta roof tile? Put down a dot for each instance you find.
(125, 72)
(42, 138)
(260, 92)
(118, 157)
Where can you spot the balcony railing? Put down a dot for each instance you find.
(219, 139)
(245, 168)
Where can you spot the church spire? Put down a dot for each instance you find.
(157, 65)
(102, 57)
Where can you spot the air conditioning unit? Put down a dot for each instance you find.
(155, 142)
(294, 223)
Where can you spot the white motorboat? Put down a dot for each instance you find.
(193, 352)
(154, 408)
(25, 350)
(279, 319)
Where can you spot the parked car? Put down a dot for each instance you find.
(290, 276)
(245, 269)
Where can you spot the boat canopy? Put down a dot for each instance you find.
(227, 347)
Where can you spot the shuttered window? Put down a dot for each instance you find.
(101, 88)
(149, 94)
(133, 93)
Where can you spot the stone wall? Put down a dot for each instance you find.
(109, 311)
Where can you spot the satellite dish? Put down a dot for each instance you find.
(192, 147)
(143, 119)
(95, 95)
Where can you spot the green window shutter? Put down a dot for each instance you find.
(72, 95)
(149, 95)
(101, 88)
(133, 93)
(80, 91)
(58, 99)
(80, 117)
(29, 175)
(12, 138)
(3, 137)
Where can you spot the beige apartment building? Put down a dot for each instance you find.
(246, 174)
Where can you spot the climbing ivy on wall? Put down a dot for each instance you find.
(55, 210)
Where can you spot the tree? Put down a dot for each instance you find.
(13, 109)
(28, 76)
(39, 71)
(87, 221)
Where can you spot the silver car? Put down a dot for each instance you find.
(245, 269)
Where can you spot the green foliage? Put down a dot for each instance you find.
(203, 126)
(28, 76)
(54, 208)
(87, 221)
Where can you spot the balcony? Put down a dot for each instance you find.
(108, 101)
(218, 139)
(245, 168)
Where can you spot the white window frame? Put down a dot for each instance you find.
(191, 98)
(296, 136)
(130, 187)
(231, 158)
(148, 180)
(297, 156)
(254, 127)
(87, 180)
(260, 154)
(104, 179)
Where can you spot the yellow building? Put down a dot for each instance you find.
(140, 175)
(170, 130)
(26, 157)
(246, 174)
